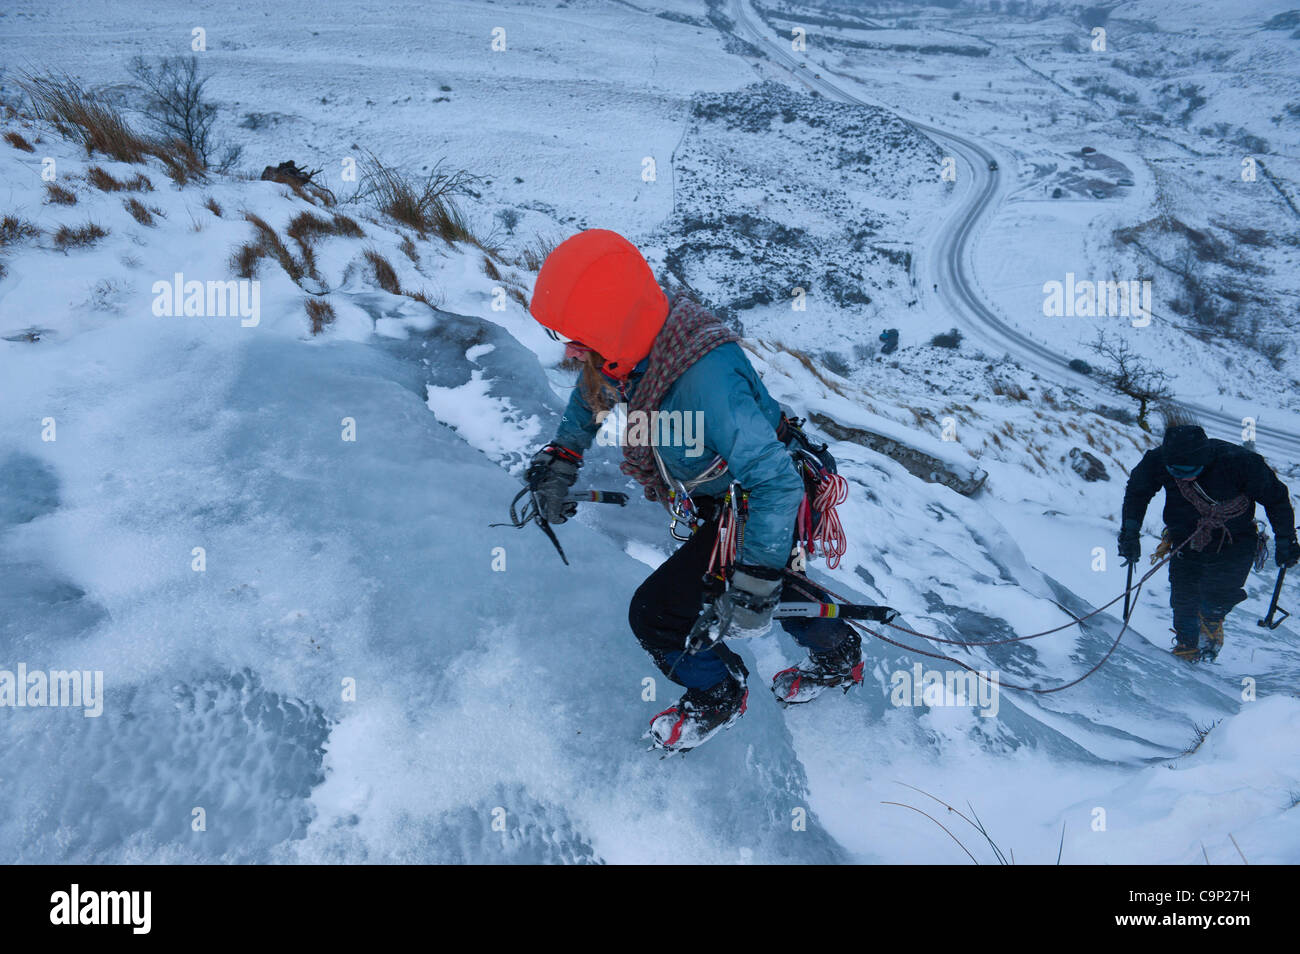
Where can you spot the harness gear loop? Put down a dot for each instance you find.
(731, 532)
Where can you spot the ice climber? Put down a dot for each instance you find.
(648, 353)
(1211, 488)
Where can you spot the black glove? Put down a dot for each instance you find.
(1287, 551)
(551, 475)
(1130, 542)
(745, 609)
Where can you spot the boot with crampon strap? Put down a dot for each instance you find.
(699, 715)
(841, 667)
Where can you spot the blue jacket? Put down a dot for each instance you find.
(738, 421)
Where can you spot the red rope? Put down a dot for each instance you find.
(831, 492)
(731, 528)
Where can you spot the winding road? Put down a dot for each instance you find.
(949, 264)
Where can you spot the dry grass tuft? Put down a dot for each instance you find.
(347, 227)
(425, 298)
(427, 205)
(14, 229)
(383, 273)
(58, 195)
(105, 182)
(18, 142)
(60, 101)
(140, 212)
(532, 255)
(100, 127)
(80, 237)
(321, 313)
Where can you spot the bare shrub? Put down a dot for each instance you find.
(175, 102)
(1128, 374)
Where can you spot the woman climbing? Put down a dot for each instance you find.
(743, 490)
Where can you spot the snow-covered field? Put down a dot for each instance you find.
(275, 545)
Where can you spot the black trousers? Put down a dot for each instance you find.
(667, 604)
(1208, 583)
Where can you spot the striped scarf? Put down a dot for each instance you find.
(689, 333)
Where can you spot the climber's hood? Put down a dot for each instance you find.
(597, 288)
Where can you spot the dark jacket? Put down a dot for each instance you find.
(1232, 470)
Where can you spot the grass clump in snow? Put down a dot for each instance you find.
(532, 255)
(321, 313)
(268, 244)
(105, 182)
(140, 212)
(14, 229)
(18, 142)
(428, 205)
(83, 235)
(60, 101)
(382, 271)
(347, 227)
(100, 127)
(56, 194)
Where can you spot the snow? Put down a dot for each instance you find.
(365, 671)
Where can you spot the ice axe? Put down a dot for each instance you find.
(531, 513)
(1268, 622)
(1128, 587)
(710, 620)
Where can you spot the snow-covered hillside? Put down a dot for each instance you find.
(275, 543)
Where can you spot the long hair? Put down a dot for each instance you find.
(594, 387)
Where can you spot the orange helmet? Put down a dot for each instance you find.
(597, 288)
